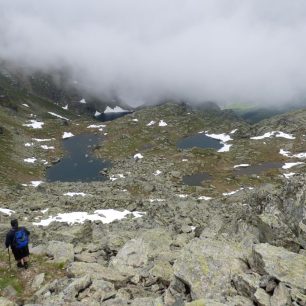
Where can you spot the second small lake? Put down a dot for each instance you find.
(196, 179)
(199, 141)
(257, 169)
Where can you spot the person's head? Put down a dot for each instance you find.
(14, 223)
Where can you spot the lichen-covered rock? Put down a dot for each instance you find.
(261, 297)
(38, 281)
(137, 252)
(76, 286)
(286, 266)
(60, 252)
(246, 283)
(281, 296)
(96, 271)
(6, 302)
(207, 266)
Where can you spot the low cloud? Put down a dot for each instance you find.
(142, 51)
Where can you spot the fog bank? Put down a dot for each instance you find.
(142, 51)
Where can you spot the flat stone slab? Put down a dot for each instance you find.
(287, 267)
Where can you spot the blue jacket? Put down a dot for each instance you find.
(11, 235)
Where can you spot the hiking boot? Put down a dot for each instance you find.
(19, 265)
(26, 265)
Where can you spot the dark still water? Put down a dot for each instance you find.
(199, 141)
(257, 169)
(196, 179)
(111, 116)
(78, 164)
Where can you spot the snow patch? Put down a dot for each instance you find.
(157, 172)
(151, 123)
(226, 147)
(83, 101)
(116, 177)
(116, 109)
(30, 160)
(45, 147)
(156, 200)
(74, 194)
(41, 140)
(288, 175)
(138, 156)
(278, 134)
(36, 183)
(104, 215)
(224, 138)
(58, 116)
(182, 196)
(65, 107)
(288, 154)
(44, 210)
(241, 165)
(25, 105)
(7, 211)
(97, 114)
(29, 144)
(234, 131)
(204, 198)
(67, 135)
(135, 120)
(96, 126)
(34, 124)
(162, 123)
(290, 165)
(235, 191)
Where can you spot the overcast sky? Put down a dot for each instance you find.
(145, 50)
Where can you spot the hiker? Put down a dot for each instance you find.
(18, 239)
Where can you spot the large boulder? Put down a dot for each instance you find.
(136, 253)
(5, 302)
(285, 266)
(96, 271)
(60, 252)
(207, 266)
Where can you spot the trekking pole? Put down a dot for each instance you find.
(9, 256)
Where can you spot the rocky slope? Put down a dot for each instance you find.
(145, 238)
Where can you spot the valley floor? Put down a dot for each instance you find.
(143, 237)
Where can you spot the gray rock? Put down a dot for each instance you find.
(204, 302)
(246, 284)
(298, 297)
(38, 281)
(238, 301)
(162, 270)
(281, 296)
(38, 250)
(261, 297)
(96, 271)
(206, 266)
(136, 253)
(115, 302)
(60, 252)
(271, 285)
(101, 290)
(287, 267)
(147, 302)
(76, 286)
(132, 255)
(5, 302)
(9, 291)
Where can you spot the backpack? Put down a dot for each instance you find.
(21, 239)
